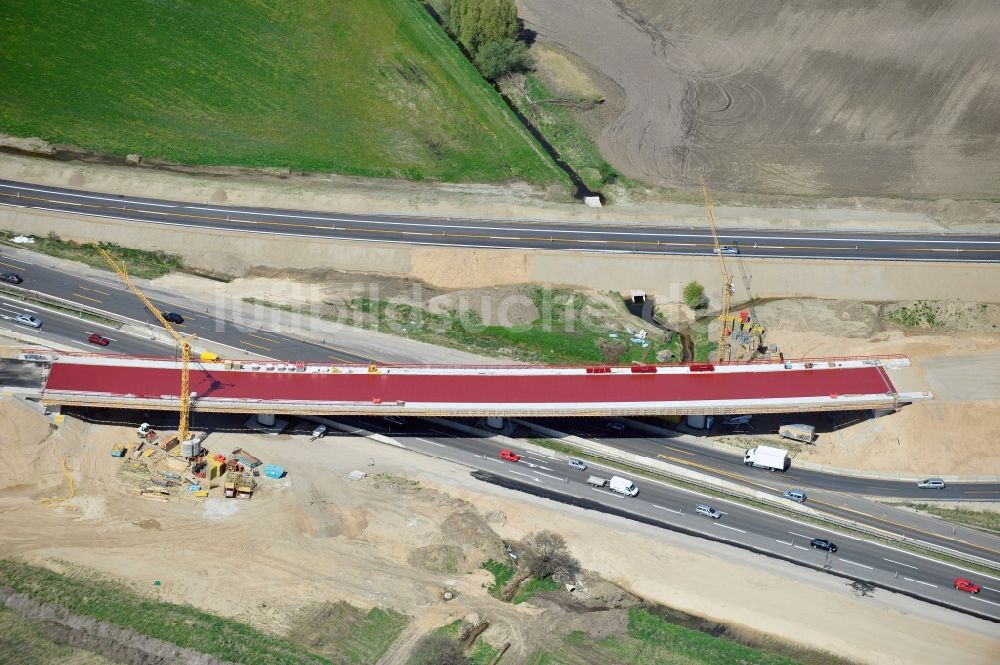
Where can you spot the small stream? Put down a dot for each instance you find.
(644, 311)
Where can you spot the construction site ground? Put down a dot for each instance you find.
(317, 536)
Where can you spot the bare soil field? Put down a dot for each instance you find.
(316, 536)
(859, 98)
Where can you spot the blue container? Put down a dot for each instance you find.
(274, 471)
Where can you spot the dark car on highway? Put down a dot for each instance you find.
(824, 544)
(173, 317)
(11, 277)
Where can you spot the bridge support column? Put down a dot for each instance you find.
(266, 419)
(494, 422)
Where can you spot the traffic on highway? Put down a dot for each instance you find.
(456, 232)
(687, 511)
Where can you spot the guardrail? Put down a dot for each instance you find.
(674, 472)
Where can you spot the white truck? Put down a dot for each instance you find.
(766, 457)
(803, 433)
(622, 486)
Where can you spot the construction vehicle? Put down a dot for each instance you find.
(118, 451)
(727, 280)
(184, 412)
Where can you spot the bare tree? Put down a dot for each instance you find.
(548, 556)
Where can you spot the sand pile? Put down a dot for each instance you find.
(26, 449)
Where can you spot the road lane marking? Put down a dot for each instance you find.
(900, 563)
(684, 452)
(799, 547)
(669, 510)
(4, 263)
(266, 339)
(742, 479)
(731, 528)
(526, 476)
(433, 443)
(985, 601)
(80, 295)
(783, 542)
(855, 563)
(799, 535)
(549, 476)
(256, 346)
(910, 579)
(989, 589)
(87, 288)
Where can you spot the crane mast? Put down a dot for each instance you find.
(184, 343)
(727, 280)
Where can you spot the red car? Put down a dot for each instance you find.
(509, 455)
(100, 340)
(968, 586)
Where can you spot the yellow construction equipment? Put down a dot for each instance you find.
(727, 280)
(183, 342)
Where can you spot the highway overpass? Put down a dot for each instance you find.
(302, 388)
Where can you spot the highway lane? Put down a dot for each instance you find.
(845, 505)
(111, 296)
(66, 330)
(729, 465)
(742, 526)
(458, 232)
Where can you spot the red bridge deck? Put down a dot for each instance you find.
(455, 391)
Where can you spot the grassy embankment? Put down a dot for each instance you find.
(357, 88)
(361, 638)
(651, 640)
(572, 329)
(140, 262)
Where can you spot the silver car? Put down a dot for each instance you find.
(578, 464)
(931, 484)
(27, 320)
(707, 511)
(727, 249)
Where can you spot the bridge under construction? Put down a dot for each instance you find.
(302, 388)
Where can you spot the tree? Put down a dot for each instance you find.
(481, 22)
(694, 295)
(497, 58)
(548, 556)
(437, 649)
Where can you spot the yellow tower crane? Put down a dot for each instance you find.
(183, 342)
(727, 280)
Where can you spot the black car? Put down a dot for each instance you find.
(11, 277)
(823, 544)
(173, 317)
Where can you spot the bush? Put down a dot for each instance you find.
(495, 59)
(694, 295)
(437, 649)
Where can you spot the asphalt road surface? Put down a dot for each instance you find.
(674, 508)
(111, 297)
(455, 232)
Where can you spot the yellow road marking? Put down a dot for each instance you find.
(686, 452)
(904, 526)
(710, 469)
(11, 265)
(87, 288)
(80, 295)
(266, 339)
(256, 346)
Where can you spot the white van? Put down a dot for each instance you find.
(622, 486)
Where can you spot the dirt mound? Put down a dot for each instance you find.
(24, 447)
(944, 316)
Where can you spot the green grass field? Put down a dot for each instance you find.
(653, 641)
(370, 88)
